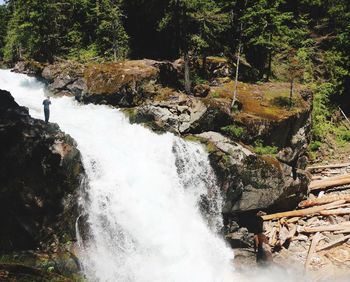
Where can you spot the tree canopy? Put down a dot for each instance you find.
(317, 31)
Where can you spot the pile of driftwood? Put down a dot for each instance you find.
(317, 234)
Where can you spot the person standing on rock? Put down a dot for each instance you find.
(47, 104)
(261, 247)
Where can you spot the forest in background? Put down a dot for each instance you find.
(305, 40)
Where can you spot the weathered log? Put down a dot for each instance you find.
(336, 211)
(304, 212)
(323, 200)
(343, 231)
(334, 227)
(330, 182)
(328, 166)
(312, 249)
(292, 231)
(333, 243)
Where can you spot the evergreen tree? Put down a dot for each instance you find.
(4, 17)
(195, 24)
(32, 31)
(265, 25)
(111, 37)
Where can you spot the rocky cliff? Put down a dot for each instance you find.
(258, 150)
(40, 172)
(150, 94)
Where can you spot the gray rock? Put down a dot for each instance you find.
(183, 114)
(252, 182)
(40, 170)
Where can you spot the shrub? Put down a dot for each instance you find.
(315, 145)
(234, 131)
(283, 102)
(260, 149)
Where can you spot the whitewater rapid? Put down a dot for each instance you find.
(144, 191)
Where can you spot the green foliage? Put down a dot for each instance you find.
(315, 145)
(196, 24)
(215, 94)
(283, 102)
(234, 131)
(198, 79)
(322, 113)
(81, 29)
(342, 135)
(260, 149)
(4, 17)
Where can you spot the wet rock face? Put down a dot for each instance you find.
(252, 182)
(40, 170)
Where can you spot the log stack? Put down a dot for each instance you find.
(317, 234)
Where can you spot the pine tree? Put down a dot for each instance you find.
(31, 31)
(4, 18)
(111, 37)
(195, 24)
(265, 25)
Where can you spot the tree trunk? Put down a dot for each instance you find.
(291, 92)
(187, 73)
(268, 75)
(237, 73)
(115, 54)
(204, 64)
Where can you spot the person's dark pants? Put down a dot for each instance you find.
(47, 115)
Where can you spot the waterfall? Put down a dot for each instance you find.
(152, 201)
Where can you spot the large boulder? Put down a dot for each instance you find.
(65, 78)
(40, 170)
(252, 182)
(28, 67)
(182, 114)
(122, 84)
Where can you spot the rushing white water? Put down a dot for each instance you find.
(144, 191)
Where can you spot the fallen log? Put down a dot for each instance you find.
(334, 227)
(303, 212)
(312, 249)
(328, 166)
(343, 231)
(323, 200)
(333, 243)
(330, 182)
(336, 211)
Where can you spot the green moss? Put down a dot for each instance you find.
(211, 148)
(315, 145)
(192, 138)
(131, 114)
(260, 149)
(283, 102)
(215, 94)
(234, 131)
